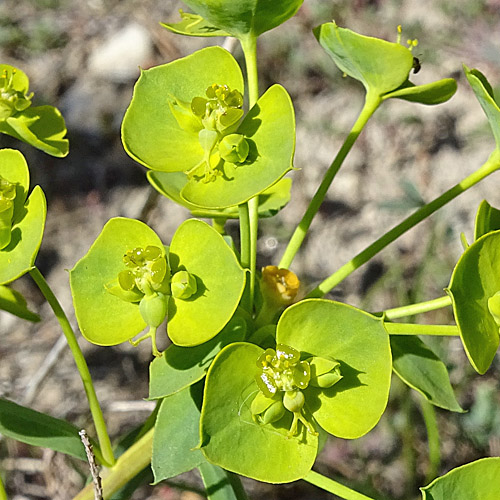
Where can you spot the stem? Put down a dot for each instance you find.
(3, 492)
(492, 164)
(408, 442)
(413, 329)
(333, 487)
(421, 307)
(219, 224)
(249, 46)
(95, 409)
(128, 465)
(371, 104)
(429, 414)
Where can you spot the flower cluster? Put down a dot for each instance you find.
(7, 196)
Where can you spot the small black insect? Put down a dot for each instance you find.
(416, 65)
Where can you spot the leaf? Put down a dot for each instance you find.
(245, 18)
(150, 132)
(379, 65)
(418, 367)
(13, 302)
(473, 481)
(106, 319)
(358, 340)
(170, 184)
(475, 279)
(487, 220)
(18, 257)
(42, 127)
(219, 483)
(229, 436)
(38, 429)
(484, 94)
(180, 367)
(430, 93)
(177, 434)
(193, 25)
(202, 251)
(270, 128)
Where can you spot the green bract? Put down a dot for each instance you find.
(193, 25)
(487, 219)
(22, 220)
(43, 126)
(475, 279)
(196, 132)
(245, 18)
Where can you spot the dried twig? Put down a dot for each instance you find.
(94, 470)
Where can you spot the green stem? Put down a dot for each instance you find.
(333, 487)
(128, 465)
(408, 442)
(421, 307)
(95, 409)
(371, 104)
(429, 414)
(3, 492)
(413, 329)
(219, 224)
(253, 206)
(492, 164)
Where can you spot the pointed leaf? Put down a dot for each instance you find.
(18, 257)
(180, 367)
(104, 318)
(202, 251)
(38, 429)
(417, 366)
(487, 220)
(177, 434)
(170, 184)
(245, 18)
(13, 302)
(219, 483)
(151, 134)
(42, 127)
(475, 279)
(484, 95)
(270, 129)
(474, 481)
(358, 340)
(263, 452)
(379, 65)
(430, 93)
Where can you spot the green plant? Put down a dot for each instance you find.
(249, 364)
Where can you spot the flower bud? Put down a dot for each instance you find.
(325, 372)
(153, 309)
(183, 285)
(234, 148)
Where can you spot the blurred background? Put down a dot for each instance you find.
(83, 57)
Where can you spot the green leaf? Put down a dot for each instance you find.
(484, 95)
(475, 279)
(180, 367)
(150, 133)
(418, 367)
(229, 436)
(199, 249)
(430, 93)
(271, 201)
(487, 220)
(473, 481)
(104, 318)
(379, 65)
(270, 129)
(176, 434)
(356, 339)
(219, 483)
(15, 170)
(38, 429)
(13, 302)
(193, 25)
(18, 257)
(245, 18)
(42, 127)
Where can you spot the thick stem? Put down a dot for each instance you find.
(421, 307)
(492, 164)
(128, 465)
(413, 329)
(95, 409)
(371, 104)
(253, 206)
(333, 487)
(429, 414)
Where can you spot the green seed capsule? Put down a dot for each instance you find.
(294, 401)
(234, 148)
(325, 372)
(183, 285)
(153, 309)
